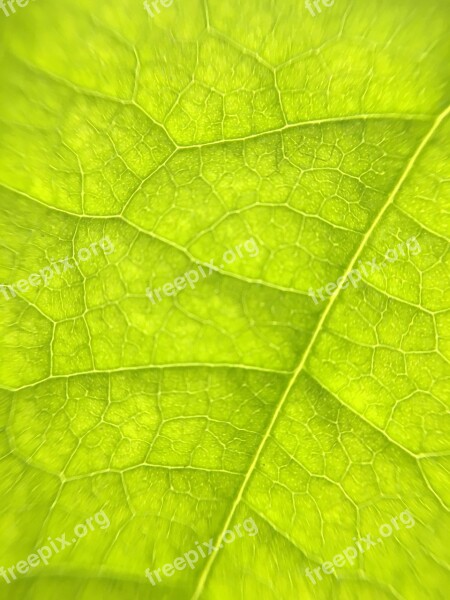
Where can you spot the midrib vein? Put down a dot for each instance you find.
(305, 356)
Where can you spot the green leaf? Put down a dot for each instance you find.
(179, 137)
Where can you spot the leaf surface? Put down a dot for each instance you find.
(179, 137)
